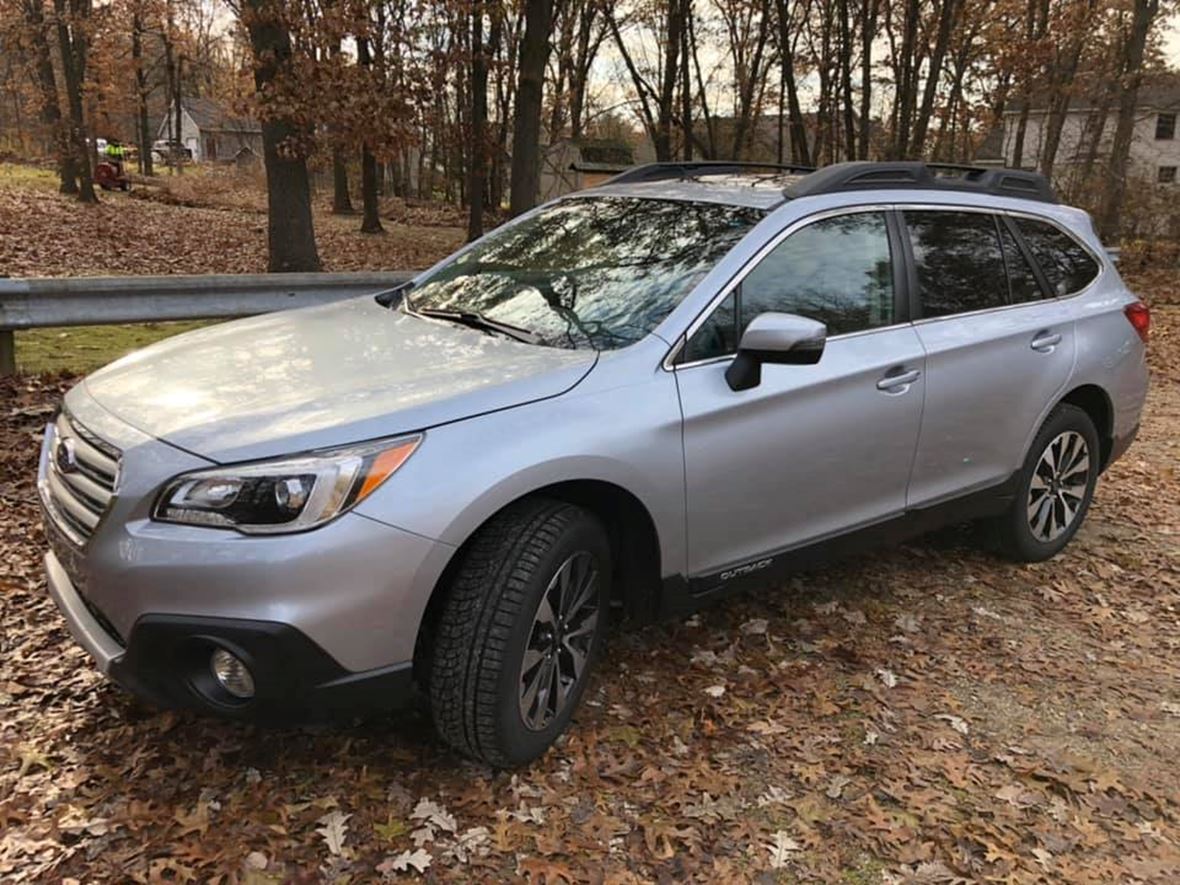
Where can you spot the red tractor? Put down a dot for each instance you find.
(109, 174)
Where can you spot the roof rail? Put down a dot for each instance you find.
(688, 168)
(862, 175)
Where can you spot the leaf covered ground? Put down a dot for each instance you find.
(927, 713)
(198, 222)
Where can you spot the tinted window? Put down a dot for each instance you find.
(594, 272)
(1067, 266)
(837, 271)
(958, 261)
(718, 335)
(1022, 282)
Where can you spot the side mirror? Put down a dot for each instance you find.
(781, 338)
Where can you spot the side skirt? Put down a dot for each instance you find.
(681, 595)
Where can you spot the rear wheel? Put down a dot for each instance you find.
(1055, 488)
(522, 626)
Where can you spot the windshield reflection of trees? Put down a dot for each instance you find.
(598, 272)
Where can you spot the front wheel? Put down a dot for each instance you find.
(522, 626)
(1055, 487)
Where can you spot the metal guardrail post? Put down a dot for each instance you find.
(7, 353)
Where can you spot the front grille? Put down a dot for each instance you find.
(80, 477)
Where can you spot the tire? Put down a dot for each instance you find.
(1039, 522)
(492, 615)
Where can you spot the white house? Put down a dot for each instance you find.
(1155, 144)
(210, 132)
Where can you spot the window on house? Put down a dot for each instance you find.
(1165, 127)
(1167, 175)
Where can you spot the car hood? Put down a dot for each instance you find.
(324, 376)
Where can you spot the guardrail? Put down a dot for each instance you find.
(96, 301)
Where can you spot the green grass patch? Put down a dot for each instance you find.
(86, 348)
(20, 175)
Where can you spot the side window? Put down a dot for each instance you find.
(958, 261)
(1022, 282)
(718, 335)
(1067, 266)
(837, 270)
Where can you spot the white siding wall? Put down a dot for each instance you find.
(190, 135)
(1147, 152)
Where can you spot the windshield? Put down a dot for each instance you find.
(595, 272)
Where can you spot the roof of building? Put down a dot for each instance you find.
(1160, 89)
(212, 116)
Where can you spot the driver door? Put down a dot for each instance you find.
(813, 450)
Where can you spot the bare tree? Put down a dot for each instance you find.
(526, 131)
(290, 230)
(477, 174)
(72, 20)
(1142, 17)
(67, 166)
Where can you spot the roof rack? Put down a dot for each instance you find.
(689, 168)
(908, 175)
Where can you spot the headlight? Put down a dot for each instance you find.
(287, 495)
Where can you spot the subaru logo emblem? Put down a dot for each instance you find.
(65, 457)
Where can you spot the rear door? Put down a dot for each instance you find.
(999, 350)
(813, 450)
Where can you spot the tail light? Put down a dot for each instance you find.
(1140, 317)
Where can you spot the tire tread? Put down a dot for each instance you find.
(484, 603)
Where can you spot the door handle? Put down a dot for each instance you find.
(1044, 342)
(902, 379)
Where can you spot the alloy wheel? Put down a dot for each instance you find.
(1058, 486)
(559, 642)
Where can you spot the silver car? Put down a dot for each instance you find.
(627, 402)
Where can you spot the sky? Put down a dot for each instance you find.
(1172, 41)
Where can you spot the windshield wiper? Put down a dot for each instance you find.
(477, 320)
(391, 297)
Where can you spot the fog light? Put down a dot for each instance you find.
(232, 674)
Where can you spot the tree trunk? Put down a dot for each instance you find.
(371, 222)
(142, 131)
(1143, 15)
(178, 110)
(847, 105)
(800, 152)
(290, 232)
(686, 85)
(72, 40)
(906, 69)
(50, 103)
(1064, 73)
(948, 16)
(526, 130)
(341, 200)
(868, 33)
(477, 169)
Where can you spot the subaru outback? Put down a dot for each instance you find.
(625, 403)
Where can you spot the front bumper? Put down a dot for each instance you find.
(166, 661)
(324, 618)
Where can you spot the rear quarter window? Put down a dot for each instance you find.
(958, 261)
(1067, 265)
